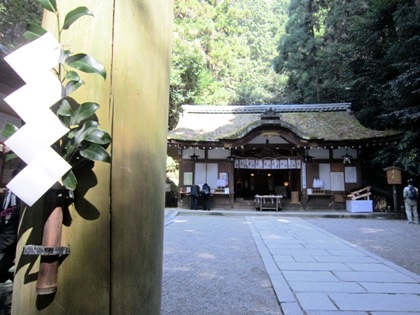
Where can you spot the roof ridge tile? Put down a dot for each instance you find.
(254, 109)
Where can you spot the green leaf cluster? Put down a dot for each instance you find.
(85, 141)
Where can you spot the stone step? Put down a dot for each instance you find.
(241, 203)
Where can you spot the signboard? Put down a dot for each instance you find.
(268, 164)
(337, 181)
(188, 176)
(350, 174)
(393, 175)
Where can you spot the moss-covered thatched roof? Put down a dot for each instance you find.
(327, 122)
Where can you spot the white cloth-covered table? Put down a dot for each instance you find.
(268, 202)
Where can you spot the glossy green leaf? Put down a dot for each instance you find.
(76, 138)
(73, 86)
(65, 53)
(86, 63)
(70, 180)
(83, 112)
(34, 31)
(95, 152)
(98, 136)
(72, 76)
(81, 134)
(74, 15)
(49, 5)
(69, 150)
(64, 112)
(9, 130)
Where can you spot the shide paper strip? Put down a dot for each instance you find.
(36, 178)
(42, 136)
(32, 143)
(32, 99)
(35, 58)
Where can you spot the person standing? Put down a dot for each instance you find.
(9, 223)
(411, 196)
(194, 194)
(206, 196)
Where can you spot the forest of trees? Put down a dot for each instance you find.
(242, 52)
(363, 52)
(223, 52)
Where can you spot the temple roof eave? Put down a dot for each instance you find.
(268, 124)
(328, 124)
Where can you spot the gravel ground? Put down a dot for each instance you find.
(394, 240)
(212, 266)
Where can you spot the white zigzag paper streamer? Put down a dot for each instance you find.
(32, 143)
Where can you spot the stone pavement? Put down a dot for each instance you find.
(211, 266)
(314, 272)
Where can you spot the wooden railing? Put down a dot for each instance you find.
(363, 193)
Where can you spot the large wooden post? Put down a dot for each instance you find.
(116, 230)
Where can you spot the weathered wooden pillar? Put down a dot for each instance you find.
(116, 230)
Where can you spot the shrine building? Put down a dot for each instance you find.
(310, 155)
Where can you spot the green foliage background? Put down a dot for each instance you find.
(14, 16)
(359, 51)
(364, 52)
(223, 52)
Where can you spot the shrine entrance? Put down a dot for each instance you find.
(295, 151)
(251, 182)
